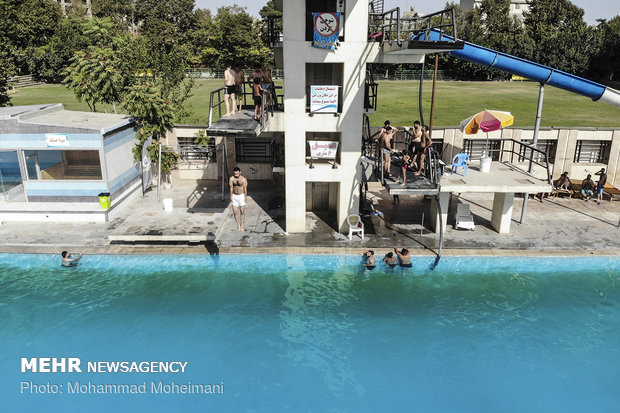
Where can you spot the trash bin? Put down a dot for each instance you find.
(485, 164)
(168, 204)
(104, 200)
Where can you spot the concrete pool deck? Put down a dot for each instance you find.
(556, 227)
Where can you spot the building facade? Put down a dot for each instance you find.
(517, 7)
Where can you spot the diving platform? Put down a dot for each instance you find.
(504, 180)
(241, 124)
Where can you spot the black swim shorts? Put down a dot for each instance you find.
(231, 90)
(258, 100)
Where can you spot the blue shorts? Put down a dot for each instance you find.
(406, 265)
(599, 189)
(589, 192)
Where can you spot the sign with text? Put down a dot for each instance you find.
(324, 99)
(53, 140)
(323, 149)
(326, 30)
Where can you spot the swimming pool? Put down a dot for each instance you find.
(318, 333)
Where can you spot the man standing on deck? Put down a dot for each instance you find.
(238, 195)
(600, 185)
(229, 93)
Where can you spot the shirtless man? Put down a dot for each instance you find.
(404, 256)
(600, 185)
(239, 87)
(415, 147)
(238, 194)
(256, 79)
(426, 143)
(67, 261)
(385, 140)
(229, 84)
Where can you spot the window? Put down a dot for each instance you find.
(592, 151)
(547, 145)
(190, 151)
(323, 136)
(63, 165)
(253, 150)
(517, 6)
(475, 148)
(324, 74)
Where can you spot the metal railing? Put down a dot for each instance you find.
(521, 153)
(370, 90)
(270, 102)
(391, 27)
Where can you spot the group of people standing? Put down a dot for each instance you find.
(262, 87)
(411, 158)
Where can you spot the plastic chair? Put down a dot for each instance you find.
(355, 226)
(464, 218)
(460, 159)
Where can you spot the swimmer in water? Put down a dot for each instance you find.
(67, 261)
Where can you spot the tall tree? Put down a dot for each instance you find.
(562, 39)
(605, 64)
(238, 38)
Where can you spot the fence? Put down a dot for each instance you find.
(206, 73)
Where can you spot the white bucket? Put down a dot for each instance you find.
(168, 204)
(485, 164)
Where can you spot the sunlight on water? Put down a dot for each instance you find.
(320, 333)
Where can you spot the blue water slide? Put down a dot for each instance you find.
(527, 69)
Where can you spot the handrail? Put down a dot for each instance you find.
(524, 156)
(405, 28)
(219, 103)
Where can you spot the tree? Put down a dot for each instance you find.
(606, 63)
(562, 39)
(6, 71)
(238, 39)
(98, 74)
(24, 26)
(49, 62)
(179, 13)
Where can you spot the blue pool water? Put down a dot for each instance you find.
(318, 333)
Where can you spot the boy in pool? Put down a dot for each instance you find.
(390, 260)
(369, 259)
(67, 261)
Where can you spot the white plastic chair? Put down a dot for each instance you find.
(355, 226)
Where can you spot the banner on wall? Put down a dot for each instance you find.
(323, 149)
(147, 174)
(324, 99)
(326, 30)
(56, 140)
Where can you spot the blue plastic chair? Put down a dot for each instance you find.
(460, 159)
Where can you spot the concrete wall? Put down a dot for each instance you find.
(565, 149)
(120, 168)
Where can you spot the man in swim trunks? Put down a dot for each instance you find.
(67, 261)
(255, 79)
(238, 194)
(600, 185)
(415, 147)
(231, 90)
(404, 256)
(385, 140)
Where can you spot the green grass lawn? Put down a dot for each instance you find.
(398, 102)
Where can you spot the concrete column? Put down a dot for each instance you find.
(502, 211)
(444, 201)
(613, 166)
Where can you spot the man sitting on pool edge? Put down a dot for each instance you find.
(67, 261)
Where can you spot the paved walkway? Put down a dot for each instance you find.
(565, 226)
